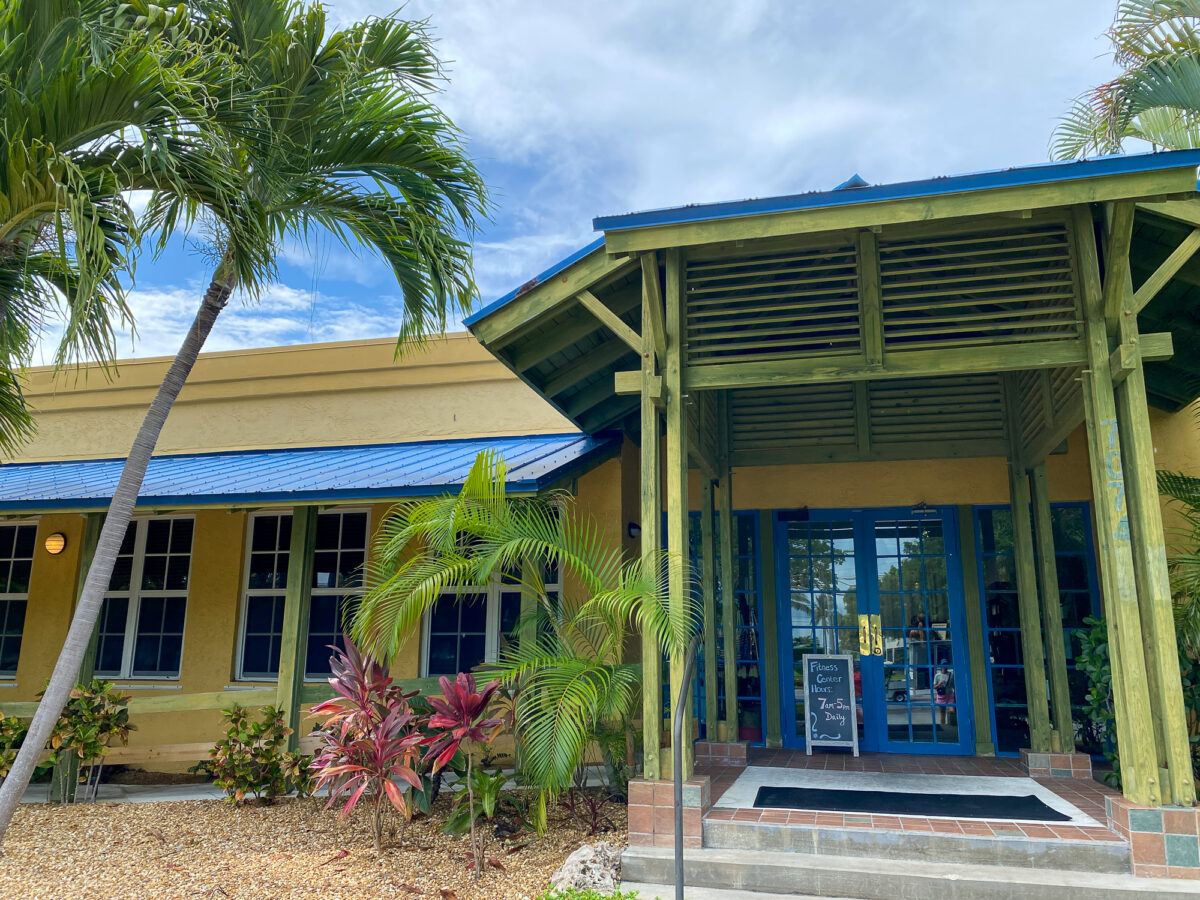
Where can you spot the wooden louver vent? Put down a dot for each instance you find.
(777, 306)
(1003, 286)
(817, 416)
(958, 409)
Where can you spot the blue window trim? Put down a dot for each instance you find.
(1093, 589)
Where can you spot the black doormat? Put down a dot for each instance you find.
(903, 803)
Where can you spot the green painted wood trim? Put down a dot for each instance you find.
(1135, 729)
(919, 209)
(610, 320)
(297, 596)
(728, 605)
(1151, 574)
(899, 364)
(1032, 647)
(1166, 271)
(1063, 737)
(508, 323)
(651, 516)
(708, 586)
(676, 477)
(870, 292)
(770, 623)
(985, 742)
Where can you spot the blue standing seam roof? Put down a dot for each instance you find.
(364, 472)
(856, 190)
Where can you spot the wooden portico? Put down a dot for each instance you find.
(975, 316)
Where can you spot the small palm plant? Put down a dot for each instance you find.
(1185, 563)
(566, 674)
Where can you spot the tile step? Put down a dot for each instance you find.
(865, 878)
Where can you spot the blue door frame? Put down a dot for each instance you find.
(875, 708)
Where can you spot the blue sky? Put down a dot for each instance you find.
(577, 109)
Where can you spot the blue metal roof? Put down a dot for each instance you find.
(533, 282)
(318, 474)
(856, 190)
(851, 192)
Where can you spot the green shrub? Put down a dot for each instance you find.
(94, 716)
(12, 735)
(252, 760)
(577, 894)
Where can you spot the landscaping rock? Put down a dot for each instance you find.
(594, 867)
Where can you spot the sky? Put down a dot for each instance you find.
(582, 108)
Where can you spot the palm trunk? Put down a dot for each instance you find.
(87, 611)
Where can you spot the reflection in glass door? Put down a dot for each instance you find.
(885, 587)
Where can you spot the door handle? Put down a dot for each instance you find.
(864, 635)
(876, 636)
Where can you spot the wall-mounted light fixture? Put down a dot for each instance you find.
(634, 530)
(55, 543)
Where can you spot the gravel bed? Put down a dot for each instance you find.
(294, 848)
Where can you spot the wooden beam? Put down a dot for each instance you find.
(633, 383)
(708, 588)
(1187, 211)
(1116, 255)
(504, 324)
(558, 339)
(591, 363)
(985, 743)
(1151, 573)
(1063, 737)
(652, 300)
(676, 477)
(728, 604)
(870, 292)
(293, 651)
(899, 364)
(651, 524)
(1170, 266)
(611, 320)
(918, 209)
(1139, 766)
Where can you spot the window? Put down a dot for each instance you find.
(1078, 596)
(338, 556)
(17, 543)
(471, 625)
(141, 621)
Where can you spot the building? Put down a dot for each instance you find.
(832, 401)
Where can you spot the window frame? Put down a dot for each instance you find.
(7, 597)
(246, 592)
(494, 590)
(136, 592)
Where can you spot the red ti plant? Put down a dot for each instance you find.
(370, 739)
(459, 721)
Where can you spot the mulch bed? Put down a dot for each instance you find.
(294, 848)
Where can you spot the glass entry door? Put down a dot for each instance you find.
(885, 587)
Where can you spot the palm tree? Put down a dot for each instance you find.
(92, 97)
(1156, 98)
(566, 668)
(329, 131)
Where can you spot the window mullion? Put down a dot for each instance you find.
(135, 596)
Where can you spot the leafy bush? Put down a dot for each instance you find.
(12, 735)
(460, 723)
(94, 716)
(370, 740)
(1098, 702)
(252, 760)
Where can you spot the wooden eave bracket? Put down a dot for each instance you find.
(1153, 347)
(631, 383)
(1168, 270)
(610, 320)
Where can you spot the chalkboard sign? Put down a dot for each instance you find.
(832, 719)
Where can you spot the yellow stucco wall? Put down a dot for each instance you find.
(352, 392)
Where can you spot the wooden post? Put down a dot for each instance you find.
(65, 778)
(293, 651)
(679, 584)
(985, 743)
(1032, 650)
(708, 579)
(651, 466)
(1150, 571)
(729, 608)
(769, 664)
(1063, 738)
(1139, 766)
